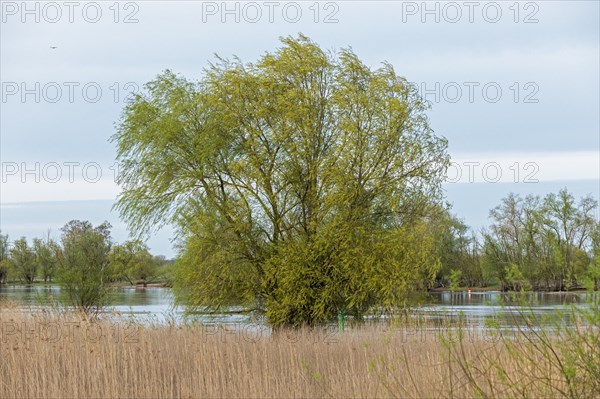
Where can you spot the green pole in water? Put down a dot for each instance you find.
(341, 321)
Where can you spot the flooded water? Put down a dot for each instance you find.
(495, 308)
(480, 309)
(147, 305)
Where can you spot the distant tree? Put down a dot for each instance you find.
(22, 261)
(571, 225)
(164, 272)
(541, 244)
(455, 279)
(4, 258)
(45, 257)
(505, 242)
(591, 277)
(459, 251)
(83, 264)
(133, 262)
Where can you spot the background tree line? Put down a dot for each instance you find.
(532, 243)
(85, 262)
(549, 243)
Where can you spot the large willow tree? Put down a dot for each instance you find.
(300, 184)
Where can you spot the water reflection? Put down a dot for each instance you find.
(500, 309)
(479, 309)
(495, 298)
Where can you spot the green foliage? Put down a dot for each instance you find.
(211, 263)
(4, 258)
(458, 249)
(515, 279)
(591, 276)
(133, 262)
(546, 244)
(164, 270)
(83, 264)
(348, 269)
(533, 243)
(260, 164)
(45, 257)
(22, 261)
(455, 279)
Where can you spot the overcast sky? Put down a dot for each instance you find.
(514, 86)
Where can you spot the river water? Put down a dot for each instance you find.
(480, 309)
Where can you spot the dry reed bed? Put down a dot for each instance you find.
(62, 355)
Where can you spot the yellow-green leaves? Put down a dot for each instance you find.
(296, 182)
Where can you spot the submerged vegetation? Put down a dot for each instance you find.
(86, 263)
(300, 184)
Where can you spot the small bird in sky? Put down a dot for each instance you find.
(53, 47)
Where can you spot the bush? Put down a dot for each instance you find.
(84, 265)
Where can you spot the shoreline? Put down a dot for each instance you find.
(437, 289)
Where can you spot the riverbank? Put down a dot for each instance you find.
(496, 288)
(63, 355)
(467, 289)
(119, 284)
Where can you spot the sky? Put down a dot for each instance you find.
(514, 87)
